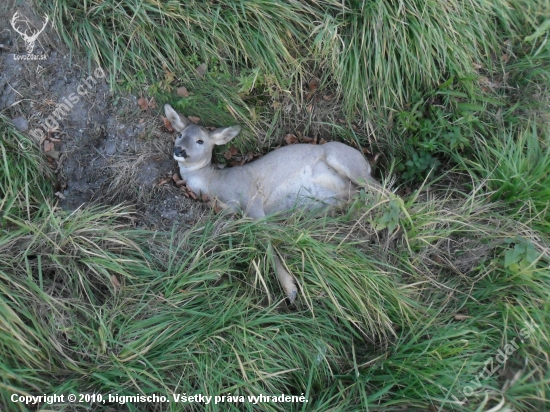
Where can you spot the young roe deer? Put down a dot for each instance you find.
(301, 175)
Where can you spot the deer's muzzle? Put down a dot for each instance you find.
(179, 152)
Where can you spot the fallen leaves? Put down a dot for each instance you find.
(182, 185)
(312, 87)
(194, 119)
(115, 282)
(163, 181)
(236, 159)
(179, 182)
(182, 91)
(145, 103)
(167, 124)
(230, 153)
(291, 139)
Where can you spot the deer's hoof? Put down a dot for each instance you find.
(291, 295)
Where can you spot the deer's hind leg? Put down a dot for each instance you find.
(285, 279)
(350, 163)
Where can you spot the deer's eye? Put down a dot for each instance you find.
(200, 142)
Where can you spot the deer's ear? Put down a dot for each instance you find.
(178, 121)
(224, 134)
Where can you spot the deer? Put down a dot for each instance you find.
(303, 176)
(29, 39)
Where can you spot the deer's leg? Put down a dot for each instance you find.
(355, 169)
(255, 210)
(286, 279)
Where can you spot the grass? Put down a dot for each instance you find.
(403, 301)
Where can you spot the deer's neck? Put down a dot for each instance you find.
(199, 177)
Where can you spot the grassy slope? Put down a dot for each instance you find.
(387, 318)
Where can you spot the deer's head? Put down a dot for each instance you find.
(194, 144)
(30, 39)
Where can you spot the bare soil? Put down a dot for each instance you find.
(104, 149)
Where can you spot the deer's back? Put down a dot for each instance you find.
(299, 175)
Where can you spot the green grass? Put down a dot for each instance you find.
(403, 302)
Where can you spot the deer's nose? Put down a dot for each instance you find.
(179, 152)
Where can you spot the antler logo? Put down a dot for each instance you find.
(30, 39)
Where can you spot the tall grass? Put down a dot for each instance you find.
(515, 165)
(23, 172)
(377, 53)
(91, 305)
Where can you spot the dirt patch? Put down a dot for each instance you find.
(103, 148)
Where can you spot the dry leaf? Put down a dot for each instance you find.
(309, 107)
(115, 282)
(53, 154)
(505, 58)
(205, 198)
(227, 155)
(143, 103)
(322, 141)
(313, 84)
(201, 69)
(307, 139)
(194, 119)
(328, 97)
(179, 182)
(142, 120)
(167, 124)
(182, 91)
(291, 139)
(60, 195)
(163, 181)
(48, 146)
(233, 150)
(191, 193)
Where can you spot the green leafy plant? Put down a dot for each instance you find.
(439, 124)
(250, 79)
(391, 216)
(521, 256)
(420, 166)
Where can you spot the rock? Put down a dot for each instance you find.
(20, 123)
(169, 214)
